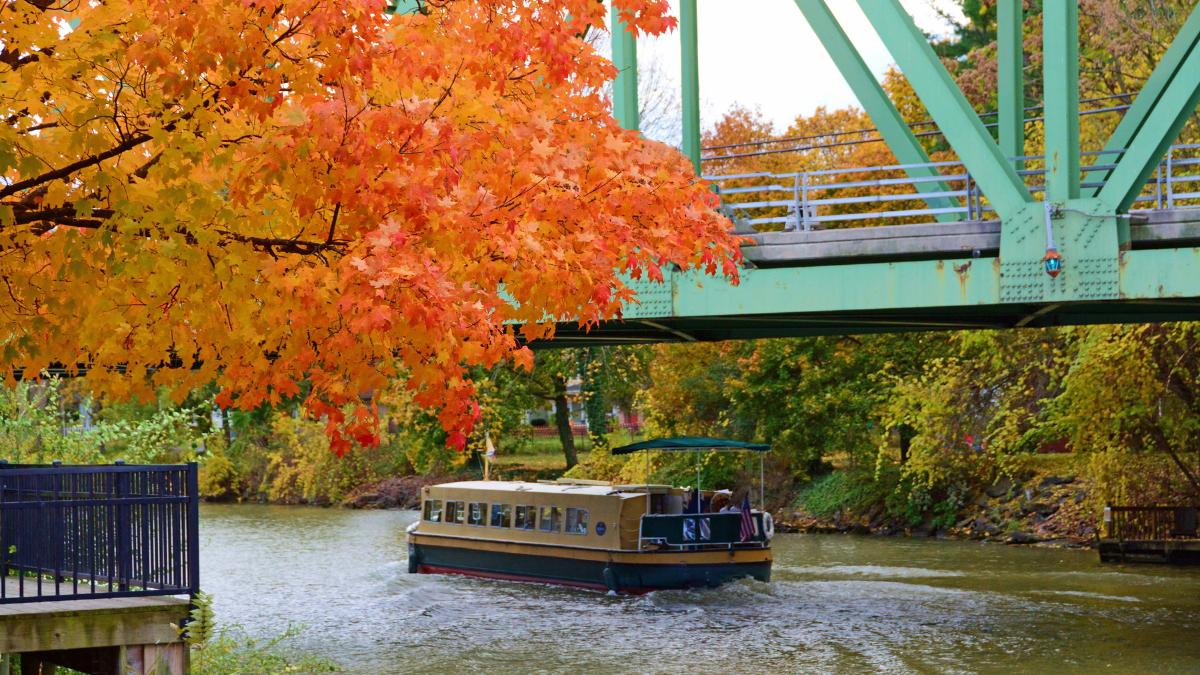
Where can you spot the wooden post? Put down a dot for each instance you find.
(168, 659)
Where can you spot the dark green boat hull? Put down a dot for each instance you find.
(592, 574)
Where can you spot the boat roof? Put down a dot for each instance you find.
(690, 444)
(622, 491)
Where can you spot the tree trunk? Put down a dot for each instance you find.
(906, 437)
(226, 428)
(562, 419)
(1160, 439)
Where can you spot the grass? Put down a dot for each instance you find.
(840, 490)
(536, 462)
(543, 454)
(1061, 464)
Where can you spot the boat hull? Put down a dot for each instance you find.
(624, 572)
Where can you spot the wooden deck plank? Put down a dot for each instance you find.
(88, 622)
(79, 603)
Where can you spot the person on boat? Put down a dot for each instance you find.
(720, 501)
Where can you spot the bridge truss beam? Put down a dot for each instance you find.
(1060, 43)
(1147, 99)
(919, 295)
(1163, 120)
(891, 125)
(1108, 276)
(625, 87)
(947, 105)
(689, 76)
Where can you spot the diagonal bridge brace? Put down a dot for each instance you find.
(1156, 118)
(948, 106)
(891, 125)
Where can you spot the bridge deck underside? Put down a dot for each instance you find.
(897, 279)
(744, 327)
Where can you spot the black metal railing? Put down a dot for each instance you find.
(706, 529)
(72, 532)
(1151, 523)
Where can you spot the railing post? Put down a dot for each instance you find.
(124, 532)
(193, 534)
(1158, 185)
(970, 199)
(797, 204)
(1170, 178)
(805, 206)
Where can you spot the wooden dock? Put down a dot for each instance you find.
(102, 635)
(98, 565)
(1151, 534)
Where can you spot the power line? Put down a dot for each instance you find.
(913, 125)
(877, 139)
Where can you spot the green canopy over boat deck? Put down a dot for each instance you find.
(690, 444)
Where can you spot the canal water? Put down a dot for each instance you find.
(836, 604)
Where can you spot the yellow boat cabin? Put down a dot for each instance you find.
(589, 534)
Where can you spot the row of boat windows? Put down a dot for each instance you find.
(519, 517)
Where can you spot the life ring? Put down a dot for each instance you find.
(768, 525)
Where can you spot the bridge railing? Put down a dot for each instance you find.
(889, 195)
(74, 532)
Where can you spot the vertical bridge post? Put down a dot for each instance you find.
(1010, 43)
(1060, 66)
(625, 87)
(690, 77)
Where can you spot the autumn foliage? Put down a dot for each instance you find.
(314, 198)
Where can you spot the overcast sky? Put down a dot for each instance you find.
(761, 53)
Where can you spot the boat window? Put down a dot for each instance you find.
(476, 513)
(577, 521)
(549, 521)
(525, 516)
(501, 515)
(433, 510)
(456, 512)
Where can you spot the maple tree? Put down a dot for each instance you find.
(277, 192)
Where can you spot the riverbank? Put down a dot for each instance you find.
(1049, 504)
(1048, 511)
(1046, 508)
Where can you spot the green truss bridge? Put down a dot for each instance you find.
(995, 239)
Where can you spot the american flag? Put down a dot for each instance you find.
(747, 528)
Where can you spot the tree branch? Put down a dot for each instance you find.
(71, 168)
(46, 220)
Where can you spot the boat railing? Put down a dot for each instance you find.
(705, 530)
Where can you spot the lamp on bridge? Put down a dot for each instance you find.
(1052, 262)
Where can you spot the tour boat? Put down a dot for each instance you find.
(592, 534)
